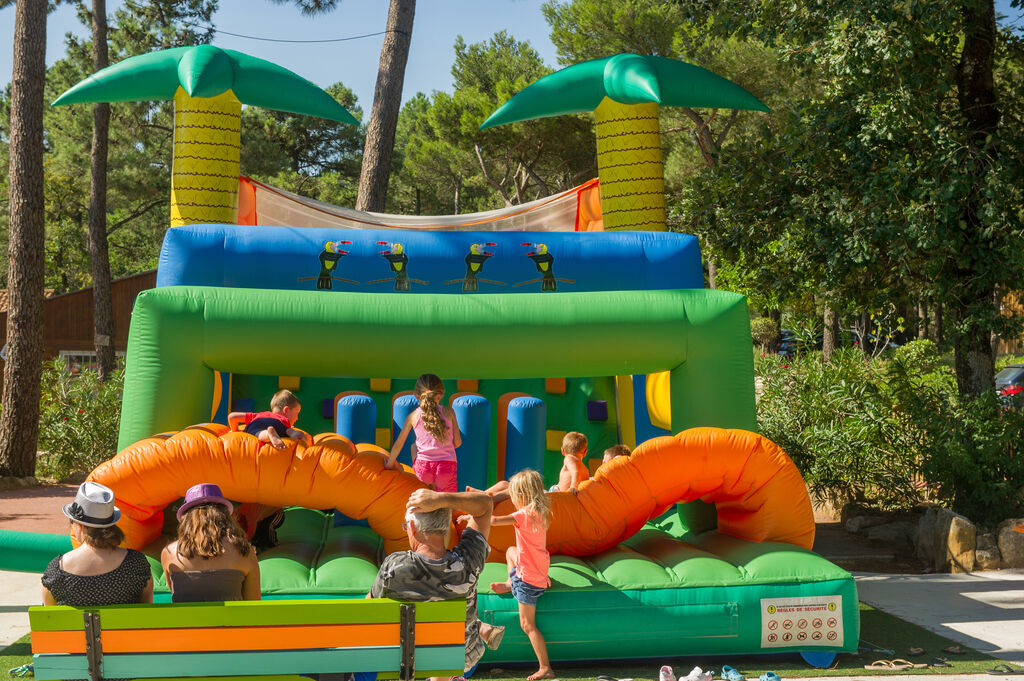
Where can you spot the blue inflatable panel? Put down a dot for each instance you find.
(524, 438)
(473, 414)
(356, 418)
(292, 258)
(400, 410)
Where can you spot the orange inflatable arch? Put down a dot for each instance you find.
(758, 492)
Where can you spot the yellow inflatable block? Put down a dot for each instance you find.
(380, 385)
(383, 438)
(467, 385)
(659, 401)
(554, 439)
(288, 382)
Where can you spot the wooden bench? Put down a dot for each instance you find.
(249, 638)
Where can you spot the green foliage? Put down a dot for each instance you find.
(921, 355)
(79, 419)
(764, 331)
(969, 448)
(836, 421)
(450, 166)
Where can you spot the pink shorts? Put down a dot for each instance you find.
(441, 474)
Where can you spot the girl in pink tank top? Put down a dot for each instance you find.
(437, 436)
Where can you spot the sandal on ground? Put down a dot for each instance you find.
(954, 650)
(604, 677)
(915, 652)
(940, 662)
(494, 640)
(908, 664)
(730, 674)
(1004, 670)
(887, 665)
(666, 674)
(769, 676)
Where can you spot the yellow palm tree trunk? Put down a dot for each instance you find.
(207, 143)
(629, 166)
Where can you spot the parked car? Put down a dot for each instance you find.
(1010, 384)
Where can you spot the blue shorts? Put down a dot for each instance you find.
(527, 594)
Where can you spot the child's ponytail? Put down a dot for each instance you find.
(428, 391)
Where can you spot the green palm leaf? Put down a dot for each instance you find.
(207, 71)
(625, 78)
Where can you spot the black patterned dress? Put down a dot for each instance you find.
(123, 584)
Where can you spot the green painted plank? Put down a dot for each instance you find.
(54, 667)
(441, 611)
(234, 613)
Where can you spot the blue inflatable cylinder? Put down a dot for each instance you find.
(400, 410)
(473, 414)
(356, 418)
(524, 438)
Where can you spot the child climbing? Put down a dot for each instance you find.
(437, 437)
(528, 560)
(271, 426)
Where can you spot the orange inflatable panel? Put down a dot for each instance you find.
(758, 492)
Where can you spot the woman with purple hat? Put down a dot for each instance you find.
(211, 560)
(99, 571)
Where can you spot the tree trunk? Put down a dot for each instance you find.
(937, 329)
(102, 302)
(387, 101)
(976, 94)
(862, 331)
(19, 419)
(712, 271)
(830, 331)
(922, 320)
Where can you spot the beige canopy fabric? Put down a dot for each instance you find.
(576, 209)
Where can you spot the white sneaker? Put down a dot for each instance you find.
(666, 674)
(698, 674)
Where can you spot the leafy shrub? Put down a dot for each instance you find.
(968, 447)
(921, 354)
(764, 332)
(836, 421)
(79, 419)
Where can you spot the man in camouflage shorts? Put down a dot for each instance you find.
(430, 572)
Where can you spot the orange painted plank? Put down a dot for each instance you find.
(246, 638)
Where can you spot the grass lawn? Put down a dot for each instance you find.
(879, 628)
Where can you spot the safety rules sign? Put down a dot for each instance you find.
(801, 622)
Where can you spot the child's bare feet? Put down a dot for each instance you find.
(542, 673)
(501, 587)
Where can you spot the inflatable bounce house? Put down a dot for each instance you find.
(574, 313)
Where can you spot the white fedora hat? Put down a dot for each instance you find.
(93, 506)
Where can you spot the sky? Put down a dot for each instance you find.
(436, 25)
(354, 62)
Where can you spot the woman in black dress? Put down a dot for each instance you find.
(98, 572)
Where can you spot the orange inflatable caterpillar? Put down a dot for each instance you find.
(758, 492)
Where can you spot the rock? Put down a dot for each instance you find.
(988, 559)
(858, 524)
(899, 535)
(29, 481)
(987, 541)
(924, 541)
(955, 539)
(1011, 543)
(75, 478)
(17, 483)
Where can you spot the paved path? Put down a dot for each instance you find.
(983, 610)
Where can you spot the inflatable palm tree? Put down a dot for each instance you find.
(208, 86)
(624, 93)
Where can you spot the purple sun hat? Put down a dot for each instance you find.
(204, 493)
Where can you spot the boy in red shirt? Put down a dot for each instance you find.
(271, 426)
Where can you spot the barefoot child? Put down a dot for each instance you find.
(574, 448)
(437, 437)
(528, 560)
(271, 426)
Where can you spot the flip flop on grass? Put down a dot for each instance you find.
(1005, 670)
(889, 665)
(915, 652)
(939, 662)
(954, 650)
